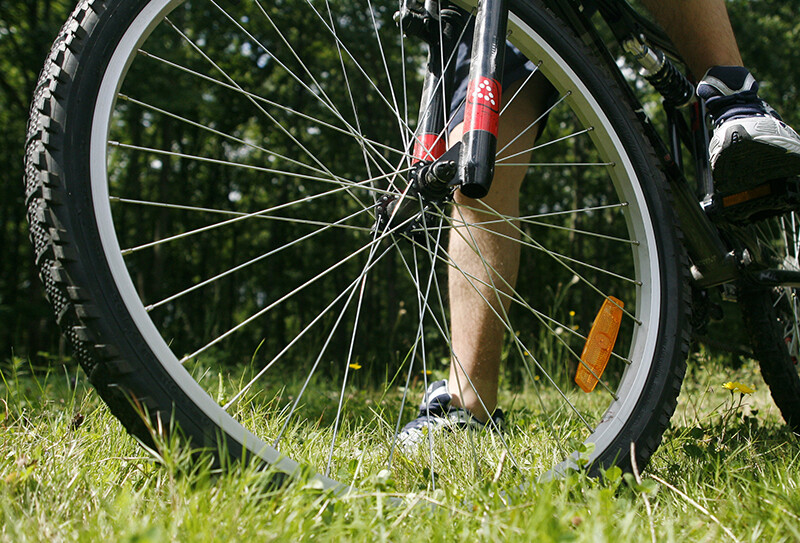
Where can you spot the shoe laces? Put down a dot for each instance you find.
(731, 92)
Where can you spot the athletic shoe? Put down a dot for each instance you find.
(750, 144)
(435, 412)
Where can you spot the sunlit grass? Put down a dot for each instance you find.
(68, 472)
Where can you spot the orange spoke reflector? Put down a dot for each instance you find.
(599, 344)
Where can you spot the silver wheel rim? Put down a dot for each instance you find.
(648, 307)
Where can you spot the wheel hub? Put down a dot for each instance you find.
(430, 184)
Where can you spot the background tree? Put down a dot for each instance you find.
(27, 28)
(767, 31)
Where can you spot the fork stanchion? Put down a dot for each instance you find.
(482, 110)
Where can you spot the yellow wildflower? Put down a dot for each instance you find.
(738, 387)
(355, 366)
(571, 313)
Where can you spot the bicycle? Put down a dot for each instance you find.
(209, 191)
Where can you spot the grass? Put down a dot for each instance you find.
(68, 472)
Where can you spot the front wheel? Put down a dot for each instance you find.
(203, 179)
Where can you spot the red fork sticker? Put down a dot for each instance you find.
(482, 111)
(429, 147)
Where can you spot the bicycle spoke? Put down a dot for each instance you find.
(505, 158)
(251, 262)
(525, 218)
(402, 119)
(211, 130)
(305, 151)
(349, 291)
(517, 299)
(535, 122)
(324, 97)
(492, 272)
(441, 325)
(411, 357)
(519, 90)
(567, 229)
(353, 107)
(555, 164)
(521, 347)
(481, 225)
(454, 358)
(293, 220)
(246, 216)
(260, 169)
(362, 280)
(267, 102)
(421, 305)
(574, 272)
(359, 67)
(263, 111)
(285, 297)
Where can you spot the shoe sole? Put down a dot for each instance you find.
(751, 162)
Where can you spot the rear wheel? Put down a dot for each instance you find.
(772, 315)
(202, 181)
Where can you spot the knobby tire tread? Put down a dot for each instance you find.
(140, 397)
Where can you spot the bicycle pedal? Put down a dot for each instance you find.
(769, 199)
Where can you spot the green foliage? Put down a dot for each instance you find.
(766, 30)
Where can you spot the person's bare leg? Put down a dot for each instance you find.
(701, 31)
(477, 332)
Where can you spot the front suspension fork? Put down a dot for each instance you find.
(482, 108)
(439, 26)
(476, 156)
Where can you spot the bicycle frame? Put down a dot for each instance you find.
(715, 260)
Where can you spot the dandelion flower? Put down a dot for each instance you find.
(355, 366)
(571, 313)
(738, 387)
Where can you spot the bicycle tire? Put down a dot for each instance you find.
(102, 311)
